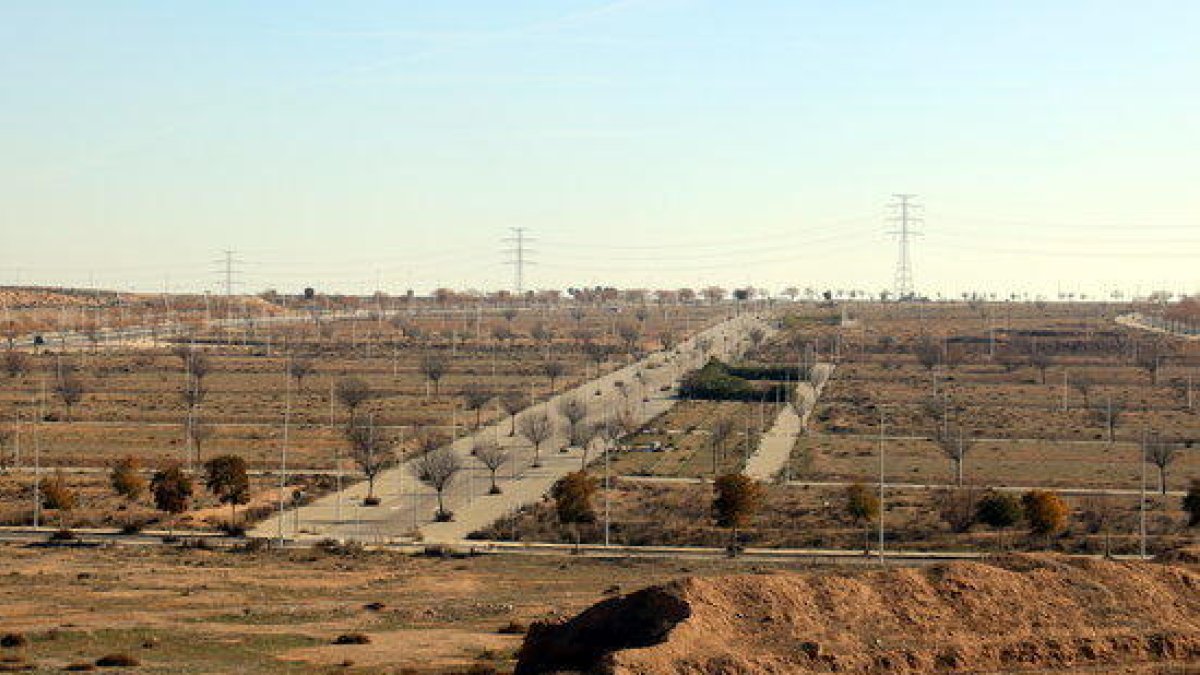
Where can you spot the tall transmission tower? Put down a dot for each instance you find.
(229, 270)
(519, 256)
(904, 216)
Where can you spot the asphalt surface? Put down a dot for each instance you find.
(406, 512)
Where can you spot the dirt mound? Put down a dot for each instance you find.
(1022, 612)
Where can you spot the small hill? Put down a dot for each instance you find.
(1024, 612)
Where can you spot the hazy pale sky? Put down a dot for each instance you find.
(642, 142)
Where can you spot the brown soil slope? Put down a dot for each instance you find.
(1022, 612)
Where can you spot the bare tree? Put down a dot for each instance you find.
(1041, 362)
(574, 412)
(667, 339)
(537, 428)
(16, 364)
(513, 402)
(195, 363)
(1162, 454)
(300, 368)
(955, 447)
(553, 370)
(429, 440)
(630, 336)
(597, 354)
(475, 397)
(1099, 516)
(1083, 384)
(71, 390)
(433, 367)
(491, 455)
(193, 394)
(373, 452)
(541, 333)
(928, 353)
(757, 335)
(1108, 415)
(6, 437)
(720, 433)
(437, 469)
(198, 432)
(1150, 358)
(352, 392)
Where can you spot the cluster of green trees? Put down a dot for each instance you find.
(717, 381)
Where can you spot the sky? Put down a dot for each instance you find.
(363, 145)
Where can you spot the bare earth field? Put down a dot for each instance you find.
(132, 401)
(980, 386)
(1029, 613)
(197, 611)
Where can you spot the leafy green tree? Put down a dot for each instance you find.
(999, 510)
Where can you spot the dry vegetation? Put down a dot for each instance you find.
(429, 367)
(949, 372)
(200, 611)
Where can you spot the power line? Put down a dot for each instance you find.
(903, 210)
(520, 257)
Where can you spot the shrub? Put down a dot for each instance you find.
(125, 479)
(117, 661)
(335, 547)
(1191, 503)
(512, 628)
(1045, 511)
(352, 639)
(132, 527)
(62, 535)
(254, 545)
(56, 494)
(13, 640)
(998, 509)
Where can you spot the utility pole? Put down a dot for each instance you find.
(903, 216)
(519, 257)
(882, 477)
(283, 449)
(1142, 503)
(229, 270)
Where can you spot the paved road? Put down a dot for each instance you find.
(1140, 322)
(646, 389)
(775, 447)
